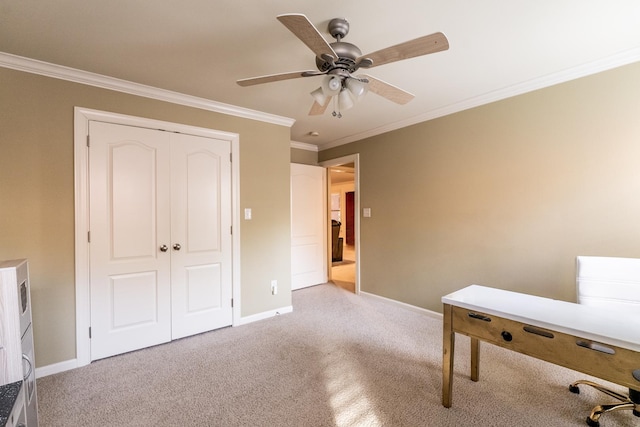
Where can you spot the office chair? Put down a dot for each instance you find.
(612, 284)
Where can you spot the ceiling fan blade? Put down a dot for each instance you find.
(317, 109)
(277, 77)
(389, 91)
(300, 25)
(425, 45)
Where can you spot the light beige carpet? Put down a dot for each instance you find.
(338, 360)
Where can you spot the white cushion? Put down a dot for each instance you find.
(609, 283)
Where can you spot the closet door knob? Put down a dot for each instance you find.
(177, 247)
(164, 248)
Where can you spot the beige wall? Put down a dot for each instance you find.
(37, 196)
(305, 157)
(504, 195)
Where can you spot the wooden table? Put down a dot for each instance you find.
(598, 343)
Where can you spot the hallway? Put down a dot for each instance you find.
(343, 273)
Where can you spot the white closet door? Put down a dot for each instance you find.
(200, 235)
(308, 226)
(129, 225)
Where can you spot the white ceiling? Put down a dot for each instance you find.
(498, 48)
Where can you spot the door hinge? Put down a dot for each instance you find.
(88, 236)
(231, 302)
(231, 230)
(88, 143)
(89, 332)
(231, 157)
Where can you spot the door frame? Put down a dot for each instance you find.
(82, 117)
(355, 159)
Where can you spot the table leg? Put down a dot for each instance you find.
(475, 359)
(448, 341)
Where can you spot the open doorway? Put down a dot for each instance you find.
(343, 222)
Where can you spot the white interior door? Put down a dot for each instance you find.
(129, 224)
(200, 235)
(160, 249)
(308, 226)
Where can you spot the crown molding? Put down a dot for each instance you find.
(47, 69)
(304, 146)
(597, 66)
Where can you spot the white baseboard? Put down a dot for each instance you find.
(56, 368)
(263, 315)
(417, 309)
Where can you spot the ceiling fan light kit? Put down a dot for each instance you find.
(348, 90)
(338, 60)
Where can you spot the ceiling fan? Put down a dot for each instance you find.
(338, 61)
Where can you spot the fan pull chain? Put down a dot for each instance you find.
(335, 113)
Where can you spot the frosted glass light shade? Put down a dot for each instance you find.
(319, 96)
(357, 88)
(331, 85)
(344, 100)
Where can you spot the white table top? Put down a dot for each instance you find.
(561, 316)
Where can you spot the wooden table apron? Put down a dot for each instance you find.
(602, 360)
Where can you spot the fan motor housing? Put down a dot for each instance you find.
(347, 55)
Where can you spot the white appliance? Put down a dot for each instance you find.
(17, 361)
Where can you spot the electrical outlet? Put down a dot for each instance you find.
(274, 287)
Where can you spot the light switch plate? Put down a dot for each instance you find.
(366, 212)
(247, 213)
